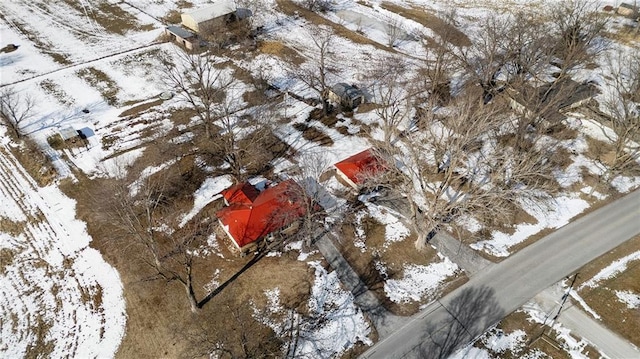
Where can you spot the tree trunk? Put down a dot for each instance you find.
(190, 292)
(419, 225)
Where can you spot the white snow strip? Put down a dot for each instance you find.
(208, 192)
(611, 270)
(566, 207)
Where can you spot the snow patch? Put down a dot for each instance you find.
(207, 193)
(419, 280)
(629, 298)
(611, 270)
(566, 207)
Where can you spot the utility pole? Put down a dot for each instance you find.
(565, 296)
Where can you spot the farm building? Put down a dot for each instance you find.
(183, 37)
(355, 169)
(252, 215)
(627, 10)
(206, 19)
(346, 95)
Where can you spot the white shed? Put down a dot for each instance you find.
(203, 19)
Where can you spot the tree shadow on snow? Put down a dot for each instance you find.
(470, 313)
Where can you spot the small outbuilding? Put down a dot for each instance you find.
(346, 95)
(204, 20)
(627, 10)
(68, 133)
(183, 37)
(356, 169)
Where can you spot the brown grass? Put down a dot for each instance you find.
(313, 134)
(6, 255)
(56, 91)
(615, 315)
(440, 27)
(623, 35)
(139, 109)
(394, 256)
(281, 50)
(35, 162)
(538, 337)
(101, 82)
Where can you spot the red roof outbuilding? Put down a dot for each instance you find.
(354, 169)
(252, 215)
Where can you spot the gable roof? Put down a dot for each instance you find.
(180, 32)
(272, 209)
(360, 164)
(345, 90)
(243, 193)
(217, 9)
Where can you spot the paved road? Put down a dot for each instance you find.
(490, 295)
(608, 342)
(585, 326)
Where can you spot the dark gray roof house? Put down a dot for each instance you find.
(346, 95)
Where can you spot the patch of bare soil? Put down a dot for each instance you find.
(615, 314)
(313, 134)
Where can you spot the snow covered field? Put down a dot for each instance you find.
(58, 297)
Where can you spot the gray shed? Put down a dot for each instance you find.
(346, 95)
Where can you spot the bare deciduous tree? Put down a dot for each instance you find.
(15, 109)
(244, 140)
(458, 166)
(394, 31)
(200, 84)
(622, 109)
(391, 93)
(317, 5)
(140, 215)
(315, 73)
(576, 26)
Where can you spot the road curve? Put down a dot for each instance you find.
(460, 316)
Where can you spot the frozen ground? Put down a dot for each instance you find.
(333, 324)
(58, 297)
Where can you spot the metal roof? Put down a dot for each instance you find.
(180, 32)
(68, 132)
(217, 9)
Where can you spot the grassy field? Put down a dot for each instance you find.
(603, 300)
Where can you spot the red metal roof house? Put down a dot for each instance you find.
(252, 215)
(356, 168)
